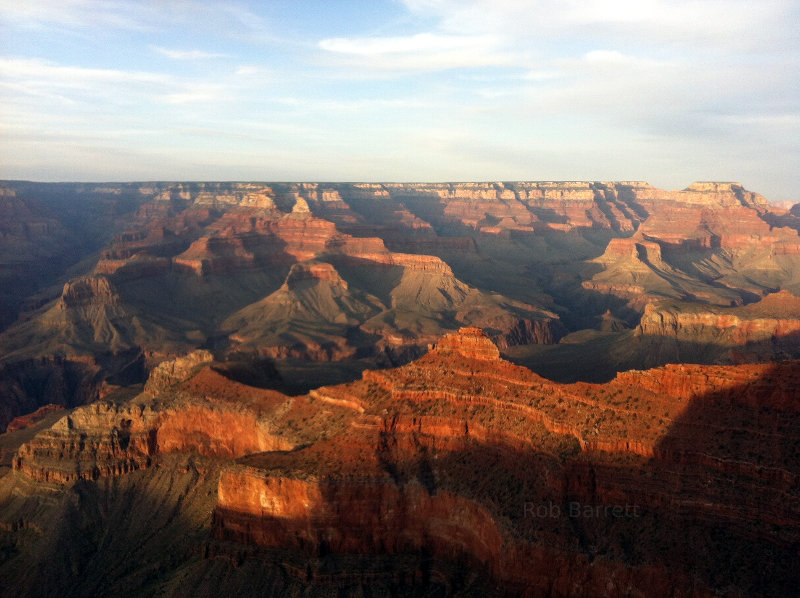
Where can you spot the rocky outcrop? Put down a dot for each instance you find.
(433, 463)
(107, 439)
(28, 384)
(25, 421)
(173, 371)
(217, 195)
(773, 320)
(462, 463)
(87, 293)
(469, 342)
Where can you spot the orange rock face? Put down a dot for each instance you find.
(469, 342)
(479, 464)
(478, 459)
(773, 324)
(25, 421)
(104, 439)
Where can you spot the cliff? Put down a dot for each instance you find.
(183, 410)
(433, 464)
(695, 245)
(371, 274)
(461, 472)
(768, 329)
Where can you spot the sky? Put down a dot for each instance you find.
(668, 92)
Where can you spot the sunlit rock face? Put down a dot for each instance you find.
(448, 449)
(476, 470)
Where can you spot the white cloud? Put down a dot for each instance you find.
(109, 17)
(76, 14)
(522, 88)
(199, 92)
(249, 70)
(372, 46)
(724, 22)
(51, 74)
(187, 54)
(423, 51)
(614, 58)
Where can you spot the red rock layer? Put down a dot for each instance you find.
(105, 439)
(25, 421)
(776, 318)
(469, 438)
(474, 460)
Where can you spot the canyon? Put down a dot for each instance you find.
(459, 473)
(503, 389)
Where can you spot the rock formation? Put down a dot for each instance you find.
(390, 267)
(461, 472)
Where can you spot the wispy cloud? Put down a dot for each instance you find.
(52, 74)
(732, 23)
(423, 51)
(107, 17)
(187, 54)
(463, 88)
(77, 14)
(90, 91)
(377, 46)
(191, 93)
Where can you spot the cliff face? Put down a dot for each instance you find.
(201, 413)
(464, 471)
(458, 473)
(766, 330)
(28, 384)
(442, 472)
(696, 244)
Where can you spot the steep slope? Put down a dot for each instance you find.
(90, 318)
(219, 265)
(458, 474)
(712, 242)
(310, 315)
(47, 229)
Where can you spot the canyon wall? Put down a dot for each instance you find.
(462, 462)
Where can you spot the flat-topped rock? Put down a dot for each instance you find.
(469, 342)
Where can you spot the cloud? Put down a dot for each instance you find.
(531, 35)
(198, 92)
(422, 42)
(729, 23)
(422, 51)
(109, 17)
(467, 88)
(64, 91)
(249, 70)
(615, 58)
(187, 54)
(76, 14)
(51, 74)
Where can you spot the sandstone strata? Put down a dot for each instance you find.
(393, 484)
(480, 464)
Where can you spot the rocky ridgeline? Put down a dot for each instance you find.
(174, 371)
(473, 460)
(765, 330)
(200, 413)
(454, 455)
(469, 342)
(392, 485)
